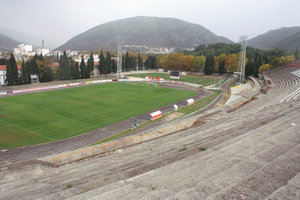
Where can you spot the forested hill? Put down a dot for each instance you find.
(6, 43)
(283, 38)
(144, 31)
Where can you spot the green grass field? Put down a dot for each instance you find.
(200, 80)
(48, 116)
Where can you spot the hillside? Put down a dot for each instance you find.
(29, 38)
(148, 31)
(285, 38)
(6, 43)
(291, 42)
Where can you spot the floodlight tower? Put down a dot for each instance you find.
(243, 42)
(119, 60)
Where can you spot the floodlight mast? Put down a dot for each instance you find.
(119, 60)
(243, 42)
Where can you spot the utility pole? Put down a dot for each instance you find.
(119, 60)
(243, 42)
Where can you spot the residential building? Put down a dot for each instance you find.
(23, 49)
(3, 73)
(42, 51)
(34, 77)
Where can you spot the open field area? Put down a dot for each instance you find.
(200, 80)
(48, 116)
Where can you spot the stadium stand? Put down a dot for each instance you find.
(241, 94)
(252, 153)
(286, 83)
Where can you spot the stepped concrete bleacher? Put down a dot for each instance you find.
(239, 152)
(286, 82)
(241, 94)
(252, 153)
(296, 93)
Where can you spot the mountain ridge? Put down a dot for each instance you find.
(148, 31)
(7, 43)
(284, 38)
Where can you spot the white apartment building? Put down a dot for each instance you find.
(86, 57)
(23, 49)
(42, 51)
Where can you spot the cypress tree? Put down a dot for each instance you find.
(133, 63)
(88, 72)
(249, 67)
(3, 61)
(11, 71)
(23, 73)
(40, 57)
(14, 68)
(83, 71)
(34, 68)
(114, 66)
(140, 62)
(153, 63)
(297, 55)
(127, 62)
(91, 63)
(222, 67)
(209, 65)
(9, 75)
(257, 63)
(108, 63)
(64, 70)
(150, 62)
(123, 63)
(47, 75)
(27, 72)
(102, 64)
(73, 70)
(76, 71)
(147, 63)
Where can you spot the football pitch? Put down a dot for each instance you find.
(54, 115)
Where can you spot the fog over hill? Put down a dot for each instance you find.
(29, 38)
(148, 31)
(6, 43)
(285, 38)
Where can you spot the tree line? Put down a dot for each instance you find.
(37, 65)
(67, 68)
(224, 58)
(216, 58)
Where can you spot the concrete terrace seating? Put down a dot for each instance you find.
(286, 83)
(240, 88)
(245, 158)
(252, 153)
(295, 94)
(242, 93)
(297, 73)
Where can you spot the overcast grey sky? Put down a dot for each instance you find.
(63, 19)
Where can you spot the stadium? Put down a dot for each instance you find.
(240, 142)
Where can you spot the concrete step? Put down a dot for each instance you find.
(226, 166)
(266, 180)
(290, 191)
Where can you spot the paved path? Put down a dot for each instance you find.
(41, 150)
